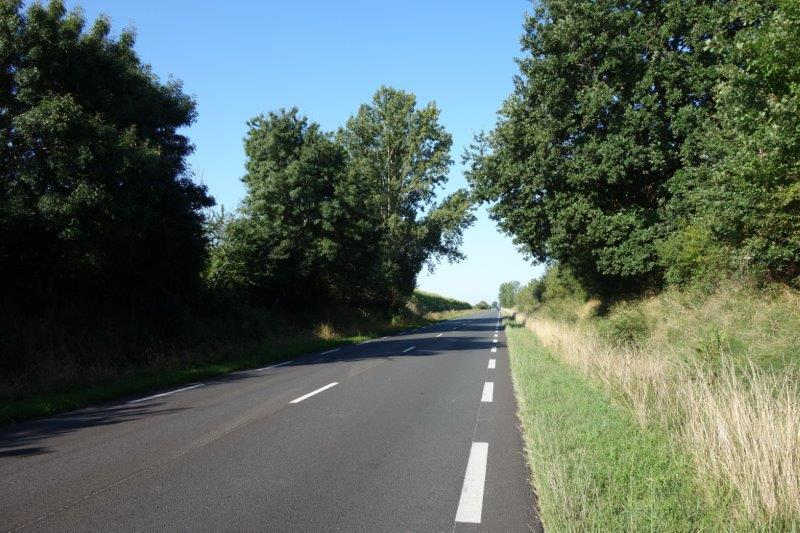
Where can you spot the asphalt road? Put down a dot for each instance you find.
(413, 432)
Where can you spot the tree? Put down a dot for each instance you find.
(337, 218)
(482, 305)
(609, 105)
(302, 236)
(508, 293)
(739, 209)
(96, 201)
(402, 155)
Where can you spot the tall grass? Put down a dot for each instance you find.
(593, 467)
(719, 373)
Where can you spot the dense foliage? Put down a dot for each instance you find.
(640, 135)
(402, 154)
(110, 261)
(95, 199)
(508, 293)
(739, 209)
(303, 236)
(349, 217)
(422, 302)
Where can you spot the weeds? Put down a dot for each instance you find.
(719, 374)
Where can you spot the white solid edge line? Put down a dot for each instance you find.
(492, 363)
(409, 349)
(440, 334)
(494, 349)
(312, 393)
(488, 392)
(470, 505)
(166, 393)
(330, 351)
(271, 366)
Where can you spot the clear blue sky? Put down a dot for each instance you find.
(240, 58)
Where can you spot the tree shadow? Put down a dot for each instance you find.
(17, 440)
(20, 440)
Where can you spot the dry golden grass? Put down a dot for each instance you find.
(737, 417)
(325, 331)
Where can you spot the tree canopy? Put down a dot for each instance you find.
(345, 217)
(608, 105)
(738, 209)
(95, 195)
(403, 154)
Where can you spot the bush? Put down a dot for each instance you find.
(625, 325)
(422, 303)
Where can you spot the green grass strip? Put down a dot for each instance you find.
(593, 467)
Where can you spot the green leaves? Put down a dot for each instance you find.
(603, 150)
(740, 202)
(347, 218)
(403, 154)
(94, 194)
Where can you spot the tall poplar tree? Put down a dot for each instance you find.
(402, 154)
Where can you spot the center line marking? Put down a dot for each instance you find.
(494, 349)
(166, 393)
(330, 351)
(409, 349)
(495, 334)
(488, 392)
(492, 363)
(494, 340)
(470, 504)
(312, 393)
(440, 334)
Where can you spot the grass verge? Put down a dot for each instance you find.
(718, 372)
(593, 466)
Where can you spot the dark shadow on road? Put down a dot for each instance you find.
(20, 440)
(17, 440)
(462, 339)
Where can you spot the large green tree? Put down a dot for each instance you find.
(346, 218)
(401, 153)
(607, 107)
(95, 197)
(302, 234)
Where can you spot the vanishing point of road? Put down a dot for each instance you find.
(412, 432)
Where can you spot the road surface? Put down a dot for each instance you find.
(413, 432)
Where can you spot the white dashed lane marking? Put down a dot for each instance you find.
(470, 505)
(312, 393)
(488, 392)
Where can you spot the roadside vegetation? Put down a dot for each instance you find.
(650, 157)
(716, 373)
(422, 302)
(593, 466)
(119, 275)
